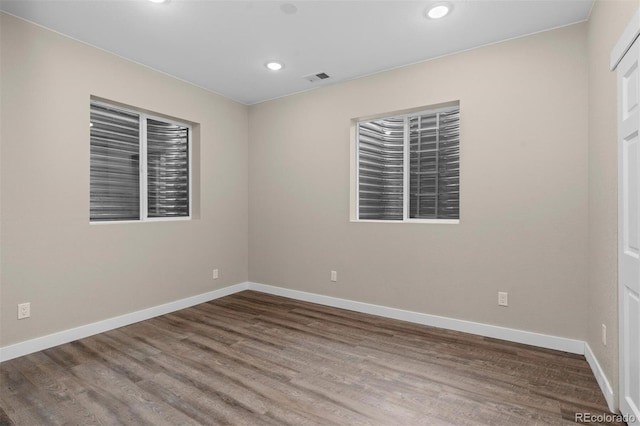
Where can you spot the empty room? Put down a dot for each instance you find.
(319, 212)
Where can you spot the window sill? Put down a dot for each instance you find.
(148, 220)
(420, 221)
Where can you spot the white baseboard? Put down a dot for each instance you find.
(66, 336)
(605, 386)
(503, 333)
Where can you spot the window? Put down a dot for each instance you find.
(140, 166)
(408, 167)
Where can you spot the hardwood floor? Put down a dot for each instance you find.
(257, 359)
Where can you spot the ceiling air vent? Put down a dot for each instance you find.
(312, 78)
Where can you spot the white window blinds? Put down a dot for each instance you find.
(409, 166)
(140, 166)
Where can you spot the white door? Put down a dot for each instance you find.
(629, 231)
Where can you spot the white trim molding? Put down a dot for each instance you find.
(604, 384)
(627, 38)
(509, 334)
(66, 336)
(497, 332)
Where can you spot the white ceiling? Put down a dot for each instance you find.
(223, 45)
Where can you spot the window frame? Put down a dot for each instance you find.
(406, 161)
(143, 172)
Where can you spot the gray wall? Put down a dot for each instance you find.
(523, 226)
(74, 273)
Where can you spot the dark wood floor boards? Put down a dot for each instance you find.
(258, 359)
(115, 390)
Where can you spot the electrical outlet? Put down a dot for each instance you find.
(24, 310)
(215, 274)
(334, 276)
(604, 334)
(503, 298)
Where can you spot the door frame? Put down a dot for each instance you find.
(628, 37)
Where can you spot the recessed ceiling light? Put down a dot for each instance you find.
(158, 1)
(438, 11)
(274, 65)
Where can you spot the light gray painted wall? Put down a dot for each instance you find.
(74, 273)
(523, 226)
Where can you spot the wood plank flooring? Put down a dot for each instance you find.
(257, 359)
